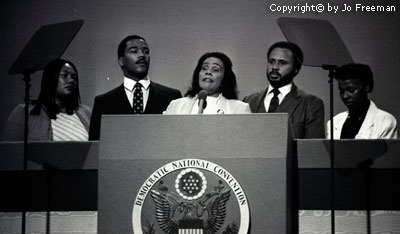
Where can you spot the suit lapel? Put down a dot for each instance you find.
(151, 99)
(123, 100)
(260, 102)
(290, 102)
(368, 123)
(338, 125)
(188, 106)
(223, 104)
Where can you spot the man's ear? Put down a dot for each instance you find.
(296, 71)
(121, 61)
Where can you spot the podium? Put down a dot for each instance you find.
(240, 167)
(61, 176)
(366, 174)
(72, 170)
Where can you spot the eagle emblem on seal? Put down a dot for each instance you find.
(190, 207)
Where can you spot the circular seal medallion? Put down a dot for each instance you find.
(190, 196)
(191, 184)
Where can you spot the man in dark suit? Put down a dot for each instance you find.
(137, 95)
(306, 111)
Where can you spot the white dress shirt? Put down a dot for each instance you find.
(129, 85)
(284, 90)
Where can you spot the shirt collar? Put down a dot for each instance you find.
(129, 83)
(284, 90)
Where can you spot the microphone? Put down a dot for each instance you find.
(202, 101)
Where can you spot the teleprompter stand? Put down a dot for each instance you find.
(49, 42)
(322, 47)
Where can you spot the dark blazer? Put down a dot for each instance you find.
(116, 102)
(306, 111)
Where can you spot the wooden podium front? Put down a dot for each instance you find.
(143, 160)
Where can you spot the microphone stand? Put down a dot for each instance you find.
(324, 47)
(50, 170)
(34, 56)
(331, 69)
(27, 100)
(202, 96)
(366, 166)
(27, 80)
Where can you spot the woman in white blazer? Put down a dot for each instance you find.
(214, 75)
(363, 120)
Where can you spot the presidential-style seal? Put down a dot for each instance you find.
(191, 196)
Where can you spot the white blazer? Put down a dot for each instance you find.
(377, 124)
(224, 106)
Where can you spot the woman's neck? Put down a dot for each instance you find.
(215, 95)
(61, 105)
(363, 108)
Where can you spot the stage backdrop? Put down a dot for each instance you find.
(179, 32)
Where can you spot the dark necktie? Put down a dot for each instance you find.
(274, 101)
(137, 99)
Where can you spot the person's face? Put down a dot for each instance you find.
(67, 82)
(211, 75)
(353, 93)
(280, 67)
(136, 59)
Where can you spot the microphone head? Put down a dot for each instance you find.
(202, 94)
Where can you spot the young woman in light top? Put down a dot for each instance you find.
(57, 114)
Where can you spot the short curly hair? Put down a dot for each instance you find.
(228, 86)
(296, 51)
(358, 71)
(122, 44)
